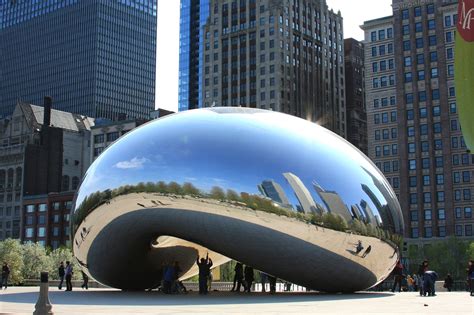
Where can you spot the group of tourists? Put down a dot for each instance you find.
(171, 283)
(66, 272)
(244, 277)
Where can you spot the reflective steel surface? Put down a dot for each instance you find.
(279, 193)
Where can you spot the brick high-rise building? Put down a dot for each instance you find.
(282, 55)
(414, 133)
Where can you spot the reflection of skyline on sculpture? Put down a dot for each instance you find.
(212, 176)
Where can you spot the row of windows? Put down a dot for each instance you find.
(428, 231)
(387, 167)
(417, 11)
(8, 211)
(383, 65)
(384, 81)
(382, 50)
(419, 42)
(425, 180)
(427, 197)
(465, 176)
(431, 25)
(384, 101)
(386, 150)
(425, 162)
(41, 219)
(385, 117)
(43, 207)
(382, 34)
(386, 133)
(41, 231)
(409, 97)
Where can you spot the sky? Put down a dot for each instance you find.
(167, 55)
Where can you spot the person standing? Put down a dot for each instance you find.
(204, 270)
(248, 274)
(263, 280)
(5, 275)
(85, 281)
(238, 276)
(272, 280)
(421, 272)
(61, 275)
(448, 282)
(397, 276)
(68, 273)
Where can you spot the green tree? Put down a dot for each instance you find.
(470, 251)
(174, 188)
(233, 195)
(190, 189)
(11, 253)
(35, 260)
(56, 256)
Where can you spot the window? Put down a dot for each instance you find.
(441, 231)
(384, 101)
(406, 45)
(56, 231)
(439, 179)
(418, 27)
(414, 233)
(428, 232)
(425, 163)
(468, 230)
(458, 213)
(420, 59)
(410, 114)
(29, 232)
(389, 32)
(396, 182)
(41, 232)
(440, 196)
(390, 50)
(430, 9)
(408, 77)
(373, 36)
(419, 42)
(411, 131)
(42, 207)
(376, 119)
(427, 198)
(395, 169)
(448, 37)
(452, 108)
(426, 180)
(433, 56)
(431, 24)
(383, 65)
(428, 214)
(407, 61)
(394, 133)
(30, 208)
(425, 147)
(451, 74)
(437, 127)
(447, 21)
(432, 40)
(405, 14)
(393, 116)
(409, 98)
(422, 98)
(385, 134)
(384, 117)
(406, 29)
(421, 74)
(413, 198)
(456, 177)
(382, 50)
(449, 53)
(411, 147)
(412, 165)
(381, 34)
(417, 11)
(436, 111)
(374, 51)
(99, 138)
(414, 215)
(112, 136)
(383, 81)
(466, 194)
(466, 176)
(458, 230)
(376, 103)
(439, 161)
(467, 212)
(435, 94)
(412, 181)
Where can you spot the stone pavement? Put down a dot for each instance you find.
(21, 300)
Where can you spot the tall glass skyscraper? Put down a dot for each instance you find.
(194, 14)
(94, 57)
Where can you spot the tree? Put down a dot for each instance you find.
(470, 251)
(11, 253)
(56, 256)
(35, 260)
(217, 193)
(190, 189)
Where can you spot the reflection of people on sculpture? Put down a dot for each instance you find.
(248, 274)
(272, 280)
(397, 276)
(204, 265)
(359, 247)
(367, 251)
(238, 276)
(263, 280)
(168, 277)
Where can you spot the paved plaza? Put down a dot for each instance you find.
(21, 300)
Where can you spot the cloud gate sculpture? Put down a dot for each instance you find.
(273, 191)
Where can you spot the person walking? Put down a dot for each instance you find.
(470, 276)
(248, 276)
(85, 281)
(5, 275)
(429, 280)
(421, 272)
(68, 273)
(448, 282)
(61, 275)
(238, 277)
(397, 276)
(367, 251)
(204, 270)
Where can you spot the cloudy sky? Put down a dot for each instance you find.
(353, 12)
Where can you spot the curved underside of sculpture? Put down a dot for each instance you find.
(293, 203)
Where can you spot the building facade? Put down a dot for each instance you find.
(38, 158)
(413, 129)
(95, 58)
(356, 114)
(287, 56)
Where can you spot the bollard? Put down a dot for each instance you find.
(43, 306)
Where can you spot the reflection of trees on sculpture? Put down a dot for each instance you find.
(255, 202)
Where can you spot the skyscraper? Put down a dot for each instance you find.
(194, 14)
(414, 133)
(286, 56)
(95, 58)
(356, 114)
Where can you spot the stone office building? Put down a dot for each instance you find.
(413, 128)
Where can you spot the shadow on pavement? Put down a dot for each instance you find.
(93, 297)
